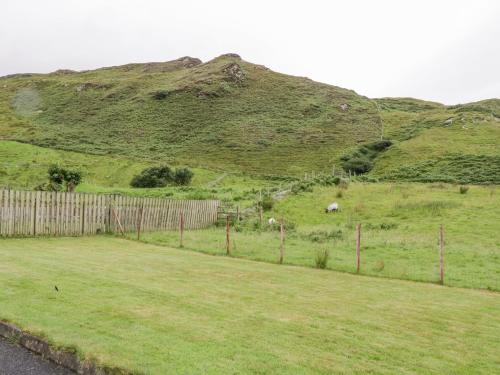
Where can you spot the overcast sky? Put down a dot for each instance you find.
(442, 50)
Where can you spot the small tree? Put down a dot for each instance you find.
(72, 180)
(60, 178)
(56, 174)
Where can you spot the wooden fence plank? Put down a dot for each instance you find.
(35, 213)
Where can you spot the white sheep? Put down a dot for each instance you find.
(272, 221)
(334, 207)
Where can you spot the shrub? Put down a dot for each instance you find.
(463, 189)
(380, 145)
(322, 258)
(72, 179)
(48, 186)
(267, 203)
(361, 160)
(302, 187)
(183, 176)
(339, 194)
(56, 174)
(160, 94)
(357, 165)
(379, 266)
(162, 176)
(58, 177)
(153, 177)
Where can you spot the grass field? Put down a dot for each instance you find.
(400, 225)
(157, 310)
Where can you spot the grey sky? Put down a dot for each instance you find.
(447, 51)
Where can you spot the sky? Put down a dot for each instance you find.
(441, 50)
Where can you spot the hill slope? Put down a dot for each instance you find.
(226, 113)
(437, 143)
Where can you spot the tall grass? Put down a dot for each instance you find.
(321, 259)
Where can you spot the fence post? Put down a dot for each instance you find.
(181, 229)
(358, 247)
(34, 216)
(228, 244)
(107, 222)
(83, 216)
(237, 214)
(441, 254)
(139, 224)
(260, 215)
(282, 240)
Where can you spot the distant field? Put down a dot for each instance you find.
(399, 232)
(157, 310)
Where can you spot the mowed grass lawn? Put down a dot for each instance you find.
(158, 310)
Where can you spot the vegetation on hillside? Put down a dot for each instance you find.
(226, 113)
(458, 144)
(162, 176)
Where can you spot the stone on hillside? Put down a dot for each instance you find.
(234, 73)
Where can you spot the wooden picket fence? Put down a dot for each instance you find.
(41, 213)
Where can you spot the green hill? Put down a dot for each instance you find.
(438, 143)
(226, 113)
(231, 115)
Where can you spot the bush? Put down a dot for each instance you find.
(160, 94)
(380, 145)
(162, 176)
(183, 176)
(267, 203)
(357, 165)
(48, 186)
(302, 187)
(361, 160)
(322, 258)
(339, 194)
(379, 266)
(58, 177)
(153, 177)
(463, 189)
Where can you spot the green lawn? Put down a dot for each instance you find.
(399, 232)
(158, 310)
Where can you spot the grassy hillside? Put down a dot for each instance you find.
(437, 143)
(226, 113)
(24, 166)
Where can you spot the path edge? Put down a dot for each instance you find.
(62, 358)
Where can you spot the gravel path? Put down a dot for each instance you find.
(15, 360)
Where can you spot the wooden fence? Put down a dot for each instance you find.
(33, 213)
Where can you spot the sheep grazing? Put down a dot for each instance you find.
(272, 221)
(334, 207)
